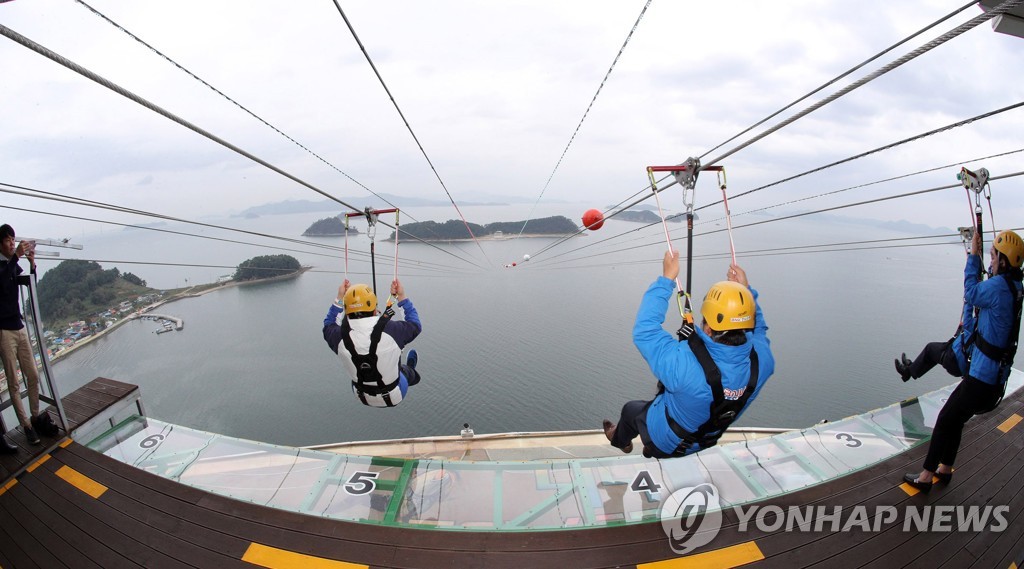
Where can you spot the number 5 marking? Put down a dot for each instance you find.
(361, 483)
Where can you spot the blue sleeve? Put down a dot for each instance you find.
(656, 345)
(983, 294)
(332, 331)
(405, 331)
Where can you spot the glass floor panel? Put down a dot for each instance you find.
(517, 495)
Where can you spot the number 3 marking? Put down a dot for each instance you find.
(852, 442)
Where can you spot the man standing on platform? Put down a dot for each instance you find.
(15, 348)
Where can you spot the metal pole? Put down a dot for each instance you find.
(37, 320)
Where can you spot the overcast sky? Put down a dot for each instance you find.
(494, 90)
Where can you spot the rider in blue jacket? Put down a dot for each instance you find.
(979, 352)
(692, 410)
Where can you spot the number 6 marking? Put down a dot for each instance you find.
(361, 483)
(151, 441)
(852, 441)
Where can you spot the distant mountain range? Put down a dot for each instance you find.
(308, 206)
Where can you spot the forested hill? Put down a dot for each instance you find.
(455, 229)
(77, 288)
(328, 227)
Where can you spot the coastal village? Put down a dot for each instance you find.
(63, 342)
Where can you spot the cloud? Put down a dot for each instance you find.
(493, 92)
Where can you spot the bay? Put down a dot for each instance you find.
(545, 345)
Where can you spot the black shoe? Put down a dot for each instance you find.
(6, 447)
(32, 437)
(609, 433)
(412, 359)
(943, 477)
(911, 479)
(44, 425)
(903, 367)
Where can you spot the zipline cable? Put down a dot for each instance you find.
(890, 146)
(408, 127)
(792, 216)
(425, 265)
(197, 266)
(966, 26)
(231, 100)
(791, 248)
(640, 228)
(866, 184)
(842, 75)
(53, 196)
(45, 52)
(57, 58)
(584, 117)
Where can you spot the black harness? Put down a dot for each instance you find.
(723, 411)
(368, 380)
(1002, 355)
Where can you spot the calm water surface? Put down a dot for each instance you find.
(544, 346)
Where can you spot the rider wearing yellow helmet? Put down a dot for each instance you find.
(371, 344)
(708, 380)
(981, 351)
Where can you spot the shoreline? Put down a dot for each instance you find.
(187, 293)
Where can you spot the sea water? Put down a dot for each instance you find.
(545, 345)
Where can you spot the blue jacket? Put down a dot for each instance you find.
(687, 395)
(994, 321)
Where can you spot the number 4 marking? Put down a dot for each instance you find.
(361, 483)
(644, 483)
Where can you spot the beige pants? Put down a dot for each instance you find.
(15, 348)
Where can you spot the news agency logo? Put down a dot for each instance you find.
(691, 517)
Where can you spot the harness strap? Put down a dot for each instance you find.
(1005, 354)
(723, 411)
(369, 381)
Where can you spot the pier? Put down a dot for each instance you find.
(178, 322)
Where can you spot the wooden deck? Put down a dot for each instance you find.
(74, 507)
(80, 407)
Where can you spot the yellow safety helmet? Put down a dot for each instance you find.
(359, 298)
(1009, 243)
(729, 306)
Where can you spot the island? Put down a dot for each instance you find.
(328, 227)
(267, 267)
(455, 229)
(647, 216)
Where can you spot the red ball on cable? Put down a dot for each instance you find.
(593, 219)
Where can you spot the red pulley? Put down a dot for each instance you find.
(593, 219)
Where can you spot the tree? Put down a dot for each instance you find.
(133, 279)
(266, 266)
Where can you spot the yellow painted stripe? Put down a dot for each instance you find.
(266, 556)
(910, 490)
(1013, 565)
(38, 463)
(733, 556)
(81, 481)
(66, 443)
(1009, 423)
(8, 486)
